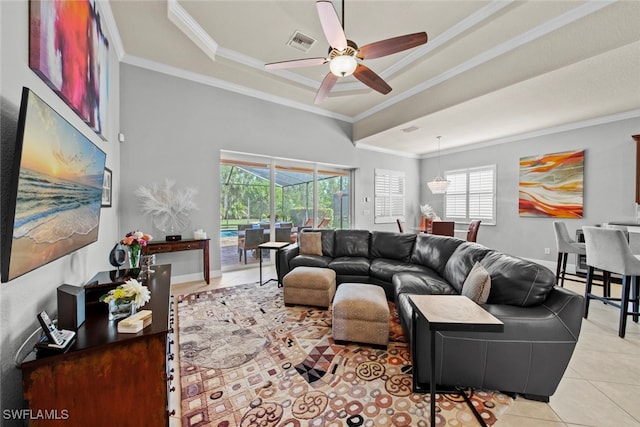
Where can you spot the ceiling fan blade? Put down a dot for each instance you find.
(325, 87)
(295, 63)
(371, 79)
(331, 25)
(392, 45)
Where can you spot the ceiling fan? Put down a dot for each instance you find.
(344, 54)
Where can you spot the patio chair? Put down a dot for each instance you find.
(252, 238)
(324, 222)
(308, 222)
(283, 234)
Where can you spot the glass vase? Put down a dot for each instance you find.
(134, 256)
(121, 309)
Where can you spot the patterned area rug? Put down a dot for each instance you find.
(247, 360)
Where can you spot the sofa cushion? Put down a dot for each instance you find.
(433, 251)
(356, 266)
(461, 262)
(311, 244)
(328, 241)
(384, 269)
(386, 244)
(516, 281)
(426, 283)
(309, 261)
(477, 285)
(351, 243)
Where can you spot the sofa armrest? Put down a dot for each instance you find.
(286, 255)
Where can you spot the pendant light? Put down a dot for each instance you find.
(438, 185)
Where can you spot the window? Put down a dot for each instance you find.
(471, 194)
(389, 196)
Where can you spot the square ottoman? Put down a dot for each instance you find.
(309, 286)
(361, 314)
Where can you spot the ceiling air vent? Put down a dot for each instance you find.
(410, 129)
(301, 41)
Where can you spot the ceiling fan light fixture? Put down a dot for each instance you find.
(343, 65)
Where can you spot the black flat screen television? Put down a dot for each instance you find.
(56, 190)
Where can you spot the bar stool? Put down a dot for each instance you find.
(608, 250)
(566, 245)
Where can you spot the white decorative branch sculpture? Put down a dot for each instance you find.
(167, 206)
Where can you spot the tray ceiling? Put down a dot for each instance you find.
(490, 71)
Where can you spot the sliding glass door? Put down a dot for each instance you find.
(272, 194)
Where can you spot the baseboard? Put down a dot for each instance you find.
(194, 277)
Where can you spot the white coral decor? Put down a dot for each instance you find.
(428, 211)
(167, 206)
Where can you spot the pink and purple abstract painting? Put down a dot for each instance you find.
(68, 50)
(551, 185)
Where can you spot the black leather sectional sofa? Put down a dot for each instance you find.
(542, 321)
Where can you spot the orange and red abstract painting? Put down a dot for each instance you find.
(551, 185)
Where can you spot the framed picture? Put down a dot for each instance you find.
(551, 185)
(106, 188)
(69, 52)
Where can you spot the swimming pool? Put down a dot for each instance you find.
(228, 233)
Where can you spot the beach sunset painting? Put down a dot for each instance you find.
(551, 185)
(59, 190)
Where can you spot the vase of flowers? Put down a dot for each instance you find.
(126, 299)
(135, 240)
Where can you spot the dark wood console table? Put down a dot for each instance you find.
(181, 245)
(107, 378)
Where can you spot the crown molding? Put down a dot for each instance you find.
(451, 33)
(365, 146)
(526, 37)
(110, 23)
(632, 114)
(190, 27)
(222, 84)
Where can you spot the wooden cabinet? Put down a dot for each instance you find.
(155, 247)
(107, 378)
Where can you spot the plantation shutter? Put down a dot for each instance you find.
(471, 194)
(389, 196)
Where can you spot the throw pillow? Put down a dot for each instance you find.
(477, 285)
(311, 243)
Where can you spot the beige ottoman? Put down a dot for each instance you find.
(309, 286)
(361, 314)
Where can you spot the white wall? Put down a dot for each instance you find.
(22, 298)
(176, 128)
(609, 184)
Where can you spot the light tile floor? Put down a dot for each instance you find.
(600, 388)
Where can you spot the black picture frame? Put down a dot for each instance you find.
(107, 188)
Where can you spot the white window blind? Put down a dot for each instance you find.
(389, 189)
(471, 194)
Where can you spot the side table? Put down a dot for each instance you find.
(446, 313)
(274, 246)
